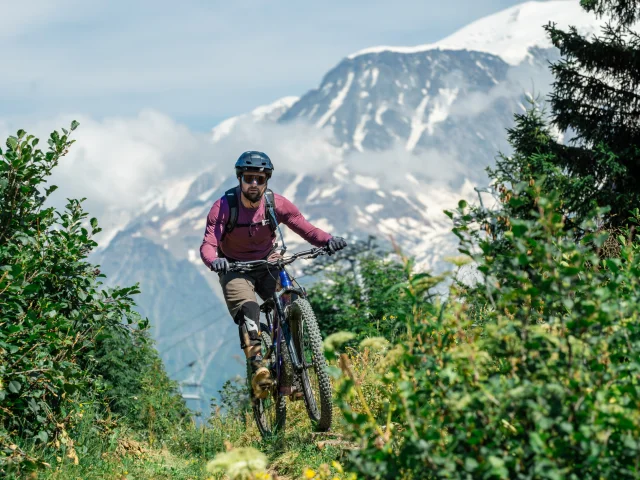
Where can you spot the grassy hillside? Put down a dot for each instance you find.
(122, 453)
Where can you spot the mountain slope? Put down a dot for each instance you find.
(378, 100)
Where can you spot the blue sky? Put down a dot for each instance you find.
(198, 62)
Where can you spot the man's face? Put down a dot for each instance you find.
(253, 185)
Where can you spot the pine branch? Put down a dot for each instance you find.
(626, 12)
(614, 54)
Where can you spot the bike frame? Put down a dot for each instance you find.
(280, 326)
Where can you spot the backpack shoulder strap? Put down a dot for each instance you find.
(270, 209)
(232, 200)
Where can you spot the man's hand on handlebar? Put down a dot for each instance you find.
(274, 257)
(220, 265)
(335, 244)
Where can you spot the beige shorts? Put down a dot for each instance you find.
(239, 288)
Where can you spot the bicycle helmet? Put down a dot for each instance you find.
(254, 161)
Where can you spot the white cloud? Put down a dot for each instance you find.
(430, 167)
(293, 147)
(116, 161)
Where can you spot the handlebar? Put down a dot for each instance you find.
(280, 262)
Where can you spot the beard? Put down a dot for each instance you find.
(253, 194)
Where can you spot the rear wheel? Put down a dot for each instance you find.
(270, 413)
(314, 377)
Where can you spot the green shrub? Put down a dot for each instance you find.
(365, 308)
(546, 385)
(64, 340)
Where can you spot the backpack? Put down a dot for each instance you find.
(269, 213)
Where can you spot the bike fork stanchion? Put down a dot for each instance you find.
(297, 365)
(277, 328)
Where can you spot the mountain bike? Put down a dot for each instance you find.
(292, 349)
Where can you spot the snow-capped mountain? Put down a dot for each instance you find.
(510, 33)
(421, 97)
(389, 139)
(415, 101)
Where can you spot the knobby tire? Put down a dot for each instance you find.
(307, 340)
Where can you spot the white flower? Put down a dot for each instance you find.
(333, 341)
(239, 463)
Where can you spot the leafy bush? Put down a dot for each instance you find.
(366, 308)
(136, 384)
(545, 386)
(64, 339)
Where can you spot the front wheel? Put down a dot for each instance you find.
(314, 377)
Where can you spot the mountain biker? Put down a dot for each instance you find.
(252, 237)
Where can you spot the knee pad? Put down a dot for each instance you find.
(248, 320)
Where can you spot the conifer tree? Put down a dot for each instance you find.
(596, 100)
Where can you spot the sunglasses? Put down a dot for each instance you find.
(249, 179)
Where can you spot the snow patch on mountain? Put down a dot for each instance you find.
(171, 197)
(330, 191)
(206, 195)
(417, 124)
(224, 128)
(361, 132)
(510, 33)
(440, 111)
(271, 113)
(275, 109)
(366, 182)
(290, 192)
(379, 112)
(373, 207)
(337, 102)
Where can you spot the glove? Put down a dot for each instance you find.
(335, 244)
(220, 265)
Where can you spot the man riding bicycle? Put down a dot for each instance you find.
(241, 227)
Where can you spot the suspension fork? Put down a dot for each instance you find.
(276, 337)
(285, 332)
